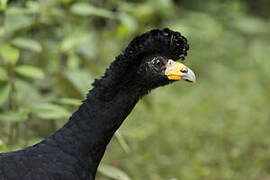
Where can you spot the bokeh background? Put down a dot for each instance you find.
(216, 129)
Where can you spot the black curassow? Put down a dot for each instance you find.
(75, 151)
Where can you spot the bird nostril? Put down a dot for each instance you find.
(183, 70)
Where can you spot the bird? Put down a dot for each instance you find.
(75, 150)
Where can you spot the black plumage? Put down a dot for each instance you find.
(75, 151)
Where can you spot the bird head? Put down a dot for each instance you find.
(149, 61)
(154, 59)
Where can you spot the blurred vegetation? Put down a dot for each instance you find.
(219, 128)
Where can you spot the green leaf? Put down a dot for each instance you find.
(80, 79)
(74, 39)
(122, 142)
(9, 53)
(30, 71)
(70, 101)
(26, 43)
(49, 111)
(3, 5)
(15, 22)
(14, 116)
(85, 9)
(31, 8)
(26, 93)
(113, 172)
(4, 93)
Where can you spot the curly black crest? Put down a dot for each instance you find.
(166, 42)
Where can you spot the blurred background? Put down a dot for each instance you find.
(216, 129)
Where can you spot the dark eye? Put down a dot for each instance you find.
(158, 63)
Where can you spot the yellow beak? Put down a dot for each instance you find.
(177, 71)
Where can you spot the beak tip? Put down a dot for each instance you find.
(190, 76)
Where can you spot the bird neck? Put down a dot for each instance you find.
(89, 130)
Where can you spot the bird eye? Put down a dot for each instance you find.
(158, 63)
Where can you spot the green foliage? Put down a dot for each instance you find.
(84, 9)
(14, 116)
(3, 5)
(50, 111)
(4, 93)
(25, 43)
(51, 51)
(30, 71)
(113, 172)
(9, 54)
